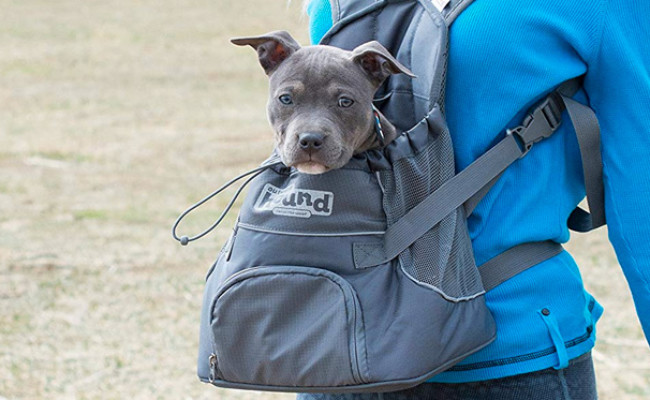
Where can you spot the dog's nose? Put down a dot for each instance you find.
(311, 140)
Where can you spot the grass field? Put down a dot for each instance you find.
(115, 115)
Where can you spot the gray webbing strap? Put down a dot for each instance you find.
(449, 196)
(436, 206)
(469, 186)
(587, 130)
(515, 260)
(473, 201)
(538, 124)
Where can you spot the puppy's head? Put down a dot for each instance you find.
(320, 98)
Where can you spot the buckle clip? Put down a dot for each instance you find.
(538, 124)
(516, 132)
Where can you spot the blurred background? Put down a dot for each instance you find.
(114, 117)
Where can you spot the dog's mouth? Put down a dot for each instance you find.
(311, 167)
(315, 162)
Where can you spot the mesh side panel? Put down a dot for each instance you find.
(443, 256)
(443, 85)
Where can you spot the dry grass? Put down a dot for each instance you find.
(115, 115)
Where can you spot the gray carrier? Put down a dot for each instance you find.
(363, 278)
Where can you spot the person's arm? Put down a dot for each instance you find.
(320, 19)
(618, 87)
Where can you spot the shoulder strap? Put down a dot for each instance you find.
(342, 9)
(519, 258)
(515, 260)
(587, 130)
(465, 188)
(451, 9)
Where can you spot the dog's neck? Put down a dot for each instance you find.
(372, 140)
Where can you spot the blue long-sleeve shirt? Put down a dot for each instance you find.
(505, 55)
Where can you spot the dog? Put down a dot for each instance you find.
(320, 99)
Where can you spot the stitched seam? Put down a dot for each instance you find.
(363, 255)
(366, 253)
(375, 16)
(526, 357)
(404, 91)
(335, 4)
(410, 48)
(521, 358)
(256, 228)
(330, 276)
(450, 14)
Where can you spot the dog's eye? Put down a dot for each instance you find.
(286, 99)
(345, 102)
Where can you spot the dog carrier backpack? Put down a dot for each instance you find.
(363, 279)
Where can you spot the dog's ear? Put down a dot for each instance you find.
(272, 48)
(377, 62)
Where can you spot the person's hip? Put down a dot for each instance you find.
(575, 382)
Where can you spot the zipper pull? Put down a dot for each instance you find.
(213, 368)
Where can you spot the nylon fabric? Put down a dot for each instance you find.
(284, 201)
(301, 335)
(441, 256)
(393, 309)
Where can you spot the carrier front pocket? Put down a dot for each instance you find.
(288, 326)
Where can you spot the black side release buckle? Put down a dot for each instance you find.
(539, 123)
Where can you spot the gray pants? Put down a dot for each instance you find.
(576, 382)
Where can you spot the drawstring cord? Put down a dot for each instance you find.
(275, 159)
(184, 240)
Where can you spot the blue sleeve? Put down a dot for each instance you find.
(320, 19)
(618, 86)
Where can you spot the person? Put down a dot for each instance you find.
(504, 56)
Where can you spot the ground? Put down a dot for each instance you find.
(115, 116)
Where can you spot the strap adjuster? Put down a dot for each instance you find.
(539, 123)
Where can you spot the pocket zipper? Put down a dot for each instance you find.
(357, 373)
(213, 368)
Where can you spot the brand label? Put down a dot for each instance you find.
(295, 202)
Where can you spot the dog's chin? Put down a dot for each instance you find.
(311, 167)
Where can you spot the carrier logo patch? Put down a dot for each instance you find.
(295, 202)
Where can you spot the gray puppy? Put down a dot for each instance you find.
(320, 99)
